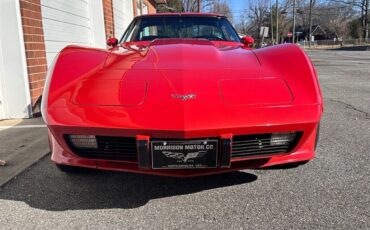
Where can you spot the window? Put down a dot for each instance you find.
(138, 7)
(211, 28)
(141, 7)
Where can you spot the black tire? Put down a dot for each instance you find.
(71, 169)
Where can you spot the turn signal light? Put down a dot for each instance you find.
(282, 138)
(83, 141)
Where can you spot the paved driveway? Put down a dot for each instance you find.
(332, 191)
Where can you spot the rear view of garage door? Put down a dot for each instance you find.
(69, 22)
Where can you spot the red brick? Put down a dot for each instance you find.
(108, 18)
(34, 46)
(37, 76)
(36, 92)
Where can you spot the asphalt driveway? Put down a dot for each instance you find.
(330, 192)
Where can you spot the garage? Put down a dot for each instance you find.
(68, 22)
(14, 88)
(123, 13)
(33, 32)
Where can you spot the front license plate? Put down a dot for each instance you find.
(184, 154)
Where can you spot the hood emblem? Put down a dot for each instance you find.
(184, 97)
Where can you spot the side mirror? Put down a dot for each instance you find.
(112, 42)
(248, 41)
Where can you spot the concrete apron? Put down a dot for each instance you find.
(22, 143)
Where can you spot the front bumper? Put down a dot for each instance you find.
(304, 151)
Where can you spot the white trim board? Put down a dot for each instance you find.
(14, 77)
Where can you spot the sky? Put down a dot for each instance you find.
(237, 7)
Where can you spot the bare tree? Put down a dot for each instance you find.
(258, 14)
(221, 7)
(194, 5)
(244, 25)
(335, 18)
(363, 5)
(171, 6)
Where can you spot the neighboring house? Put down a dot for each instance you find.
(32, 32)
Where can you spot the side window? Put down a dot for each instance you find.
(227, 32)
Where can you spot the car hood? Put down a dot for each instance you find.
(174, 72)
(182, 87)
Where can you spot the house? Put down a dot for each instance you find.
(32, 32)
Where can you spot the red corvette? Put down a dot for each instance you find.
(181, 95)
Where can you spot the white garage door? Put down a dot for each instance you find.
(1, 85)
(65, 22)
(123, 13)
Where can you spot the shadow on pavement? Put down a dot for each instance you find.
(22, 142)
(45, 187)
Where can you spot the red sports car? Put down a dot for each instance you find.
(181, 95)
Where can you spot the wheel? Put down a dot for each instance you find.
(71, 169)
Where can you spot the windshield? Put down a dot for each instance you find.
(211, 28)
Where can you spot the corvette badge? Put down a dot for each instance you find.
(184, 97)
(184, 158)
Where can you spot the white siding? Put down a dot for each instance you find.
(65, 22)
(2, 115)
(123, 13)
(128, 11)
(118, 18)
(14, 85)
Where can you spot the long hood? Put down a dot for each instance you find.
(181, 86)
(182, 55)
(173, 71)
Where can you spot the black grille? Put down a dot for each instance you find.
(109, 148)
(254, 145)
(125, 149)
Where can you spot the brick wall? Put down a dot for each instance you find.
(134, 3)
(35, 48)
(151, 7)
(108, 18)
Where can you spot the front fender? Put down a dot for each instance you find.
(291, 63)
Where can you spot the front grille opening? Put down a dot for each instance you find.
(264, 144)
(125, 149)
(103, 147)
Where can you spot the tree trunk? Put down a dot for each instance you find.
(366, 20)
(310, 22)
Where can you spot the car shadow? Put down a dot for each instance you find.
(285, 166)
(44, 187)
